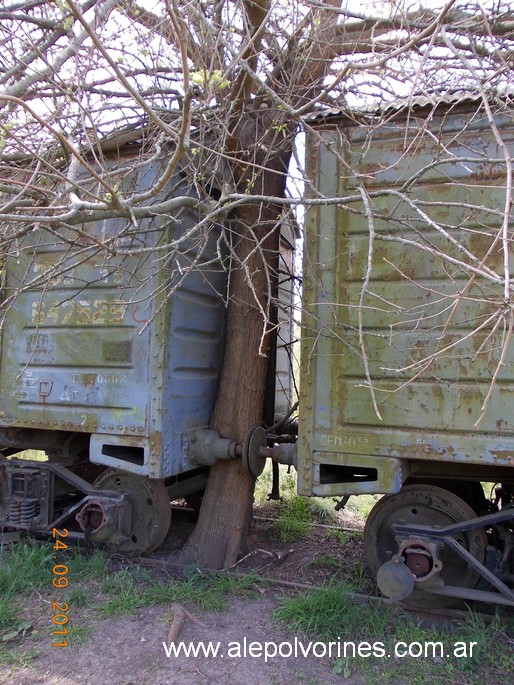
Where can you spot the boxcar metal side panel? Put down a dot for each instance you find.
(404, 292)
(123, 344)
(194, 353)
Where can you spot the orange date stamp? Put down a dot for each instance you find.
(60, 580)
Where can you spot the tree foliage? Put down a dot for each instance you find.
(71, 74)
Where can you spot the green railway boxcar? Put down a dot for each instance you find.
(407, 359)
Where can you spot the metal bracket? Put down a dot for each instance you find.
(444, 535)
(40, 517)
(206, 447)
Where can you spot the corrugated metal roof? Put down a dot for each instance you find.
(421, 100)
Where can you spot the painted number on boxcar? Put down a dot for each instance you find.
(78, 313)
(347, 441)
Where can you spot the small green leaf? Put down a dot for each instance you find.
(198, 78)
(20, 629)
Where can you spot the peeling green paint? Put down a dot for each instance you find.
(426, 326)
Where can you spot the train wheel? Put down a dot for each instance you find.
(431, 506)
(151, 511)
(470, 491)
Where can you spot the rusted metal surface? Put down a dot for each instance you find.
(404, 277)
(123, 345)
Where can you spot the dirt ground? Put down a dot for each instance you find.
(128, 650)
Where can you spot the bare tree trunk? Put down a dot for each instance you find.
(220, 533)
(261, 145)
(222, 527)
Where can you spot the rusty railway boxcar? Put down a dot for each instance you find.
(407, 351)
(111, 348)
(112, 339)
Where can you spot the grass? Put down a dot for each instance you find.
(26, 581)
(295, 515)
(23, 565)
(24, 568)
(328, 561)
(78, 634)
(360, 505)
(8, 614)
(126, 594)
(325, 614)
(18, 658)
(329, 616)
(315, 509)
(345, 537)
(26, 576)
(294, 520)
(349, 572)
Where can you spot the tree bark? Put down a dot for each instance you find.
(220, 533)
(260, 143)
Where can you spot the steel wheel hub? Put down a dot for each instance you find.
(427, 562)
(143, 525)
